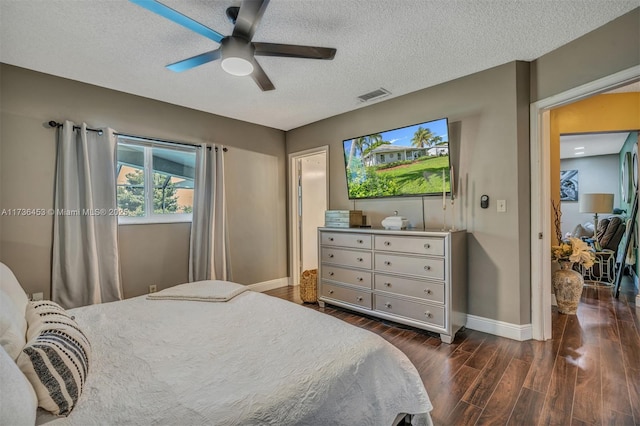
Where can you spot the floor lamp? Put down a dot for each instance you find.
(596, 203)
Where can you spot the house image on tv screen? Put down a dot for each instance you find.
(389, 154)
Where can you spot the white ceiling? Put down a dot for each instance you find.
(591, 144)
(402, 46)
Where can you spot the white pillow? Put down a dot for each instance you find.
(583, 230)
(9, 283)
(19, 402)
(13, 327)
(13, 306)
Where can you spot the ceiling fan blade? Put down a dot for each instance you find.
(177, 17)
(293, 51)
(194, 61)
(260, 77)
(249, 16)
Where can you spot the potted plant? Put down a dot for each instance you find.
(568, 283)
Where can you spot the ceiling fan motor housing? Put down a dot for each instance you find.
(237, 55)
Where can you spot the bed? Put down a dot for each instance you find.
(251, 360)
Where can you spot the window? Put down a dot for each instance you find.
(155, 181)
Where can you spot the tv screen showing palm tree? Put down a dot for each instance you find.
(409, 161)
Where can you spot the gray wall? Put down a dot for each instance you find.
(150, 254)
(601, 174)
(489, 125)
(606, 50)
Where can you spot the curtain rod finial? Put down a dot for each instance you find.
(53, 124)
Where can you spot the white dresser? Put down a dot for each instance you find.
(417, 278)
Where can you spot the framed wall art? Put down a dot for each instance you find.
(568, 185)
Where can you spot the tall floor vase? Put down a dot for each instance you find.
(567, 286)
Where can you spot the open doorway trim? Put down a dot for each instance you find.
(294, 232)
(541, 192)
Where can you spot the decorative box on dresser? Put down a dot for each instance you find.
(416, 278)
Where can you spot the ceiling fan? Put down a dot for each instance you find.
(236, 50)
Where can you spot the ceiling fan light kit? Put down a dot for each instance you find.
(237, 66)
(237, 50)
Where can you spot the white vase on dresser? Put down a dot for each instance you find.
(416, 278)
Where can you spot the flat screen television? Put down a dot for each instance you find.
(405, 162)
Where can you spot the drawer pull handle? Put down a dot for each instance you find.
(427, 290)
(387, 305)
(331, 256)
(360, 241)
(428, 314)
(359, 259)
(359, 278)
(386, 262)
(330, 291)
(359, 298)
(427, 268)
(387, 284)
(387, 243)
(330, 238)
(427, 246)
(330, 274)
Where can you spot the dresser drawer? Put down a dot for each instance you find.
(416, 245)
(422, 312)
(357, 259)
(427, 267)
(428, 290)
(347, 295)
(341, 239)
(349, 276)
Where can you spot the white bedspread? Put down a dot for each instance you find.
(254, 360)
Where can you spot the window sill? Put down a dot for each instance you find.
(178, 218)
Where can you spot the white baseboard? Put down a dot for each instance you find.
(269, 285)
(500, 328)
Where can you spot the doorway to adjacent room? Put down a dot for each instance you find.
(308, 200)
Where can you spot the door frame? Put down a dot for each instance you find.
(294, 232)
(541, 191)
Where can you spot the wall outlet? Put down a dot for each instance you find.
(153, 288)
(37, 296)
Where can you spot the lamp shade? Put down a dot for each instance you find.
(596, 203)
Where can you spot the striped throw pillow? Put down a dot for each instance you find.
(56, 357)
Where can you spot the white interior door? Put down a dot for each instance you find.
(312, 204)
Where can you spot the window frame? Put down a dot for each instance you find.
(150, 216)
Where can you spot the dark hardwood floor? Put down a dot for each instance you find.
(587, 374)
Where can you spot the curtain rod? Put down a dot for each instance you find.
(53, 123)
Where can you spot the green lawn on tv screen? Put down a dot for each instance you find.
(422, 176)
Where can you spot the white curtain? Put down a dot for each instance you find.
(208, 256)
(85, 269)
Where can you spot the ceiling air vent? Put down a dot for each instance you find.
(376, 94)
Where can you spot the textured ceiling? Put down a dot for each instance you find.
(400, 45)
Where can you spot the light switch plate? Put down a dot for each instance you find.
(501, 206)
